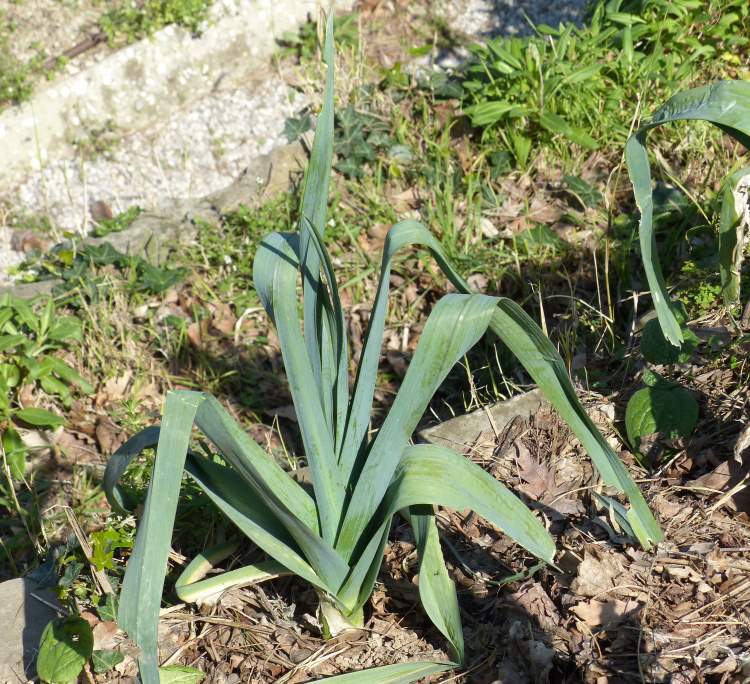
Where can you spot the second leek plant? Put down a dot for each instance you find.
(334, 536)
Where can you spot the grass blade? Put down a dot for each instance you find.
(401, 673)
(725, 104)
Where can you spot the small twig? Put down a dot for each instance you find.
(100, 578)
(78, 49)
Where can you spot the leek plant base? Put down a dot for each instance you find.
(335, 537)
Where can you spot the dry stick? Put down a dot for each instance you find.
(78, 49)
(737, 590)
(99, 577)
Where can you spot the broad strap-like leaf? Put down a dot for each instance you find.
(314, 207)
(539, 357)
(453, 327)
(400, 235)
(437, 591)
(401, 673)
(725, 104)
(191, 586)
(339, 341)
(732, 226)
(255, 498)
(140, 599)
(248, 512)
(531, 347)
(275, 276)
(237, 448)
(432, 475)
(247, 456)
(118, 463)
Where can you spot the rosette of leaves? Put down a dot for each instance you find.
(334, 534)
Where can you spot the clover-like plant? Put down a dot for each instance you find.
(335, 536)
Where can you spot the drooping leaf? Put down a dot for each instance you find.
(454, 326)
(429, 474)
(529, 345)
(725, 104)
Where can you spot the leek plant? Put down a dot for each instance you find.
(725, 104)
(334, 536)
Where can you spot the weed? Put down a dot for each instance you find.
(568, 85)
(97, 142)
(117, 223)
(28, 342)
(130, 21)
(17, 77)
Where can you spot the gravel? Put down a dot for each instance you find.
(490, 18)
(199, 151)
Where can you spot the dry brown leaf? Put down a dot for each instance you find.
(595, 576)
(114, 389)
(608, 613)
(108, 435)
(223, 318)
(105, 635)
(537, 604)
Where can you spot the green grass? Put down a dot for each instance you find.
(129, 21)
(579, 85)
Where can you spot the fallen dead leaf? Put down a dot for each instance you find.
(607, 614)
(108, 435)
(105, 635)
(596, 576)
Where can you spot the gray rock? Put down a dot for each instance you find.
(462, 432)
(155, 234)
(25, 610)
